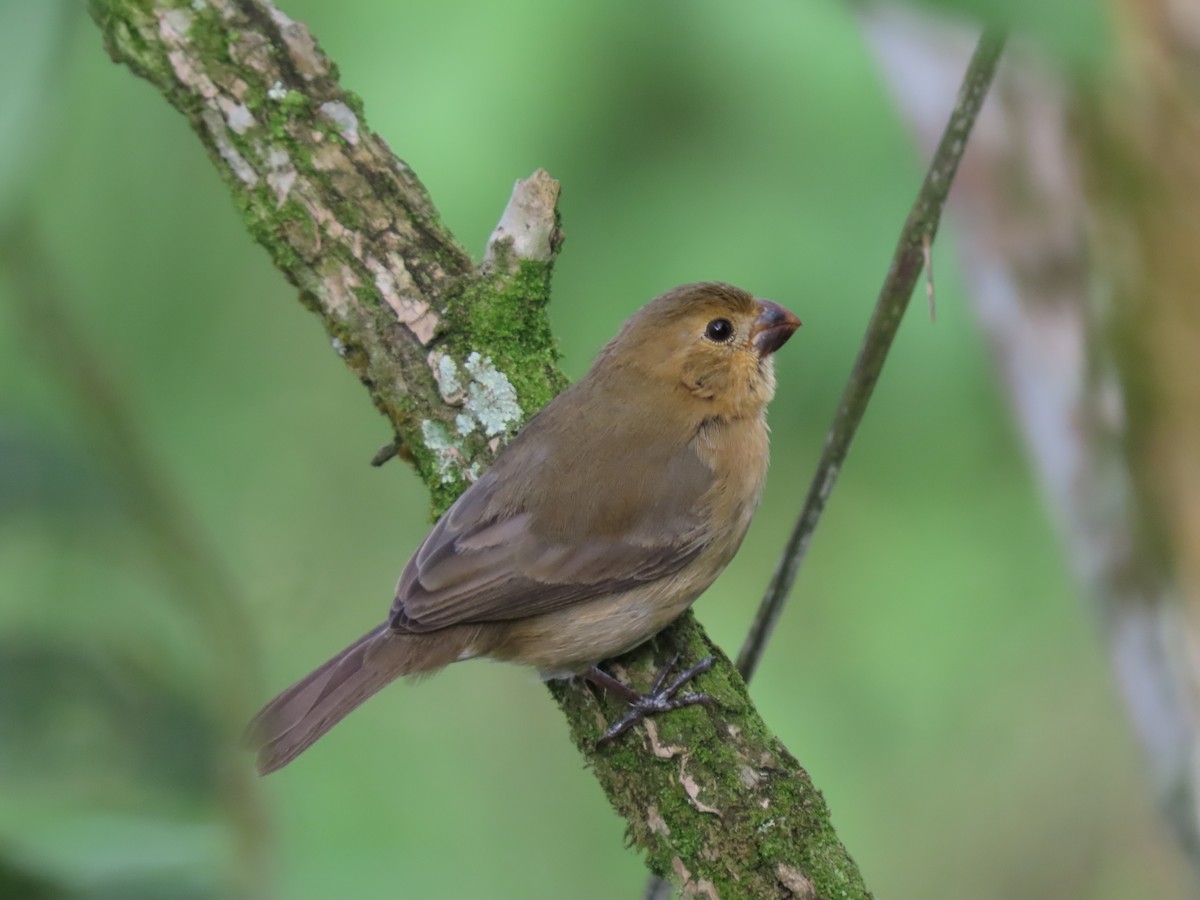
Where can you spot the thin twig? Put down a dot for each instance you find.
(893, 299)
(927, 251)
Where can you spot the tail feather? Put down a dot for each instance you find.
(289, 724)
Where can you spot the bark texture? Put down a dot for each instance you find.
(457, 357)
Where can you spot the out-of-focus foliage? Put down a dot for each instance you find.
(933, 672)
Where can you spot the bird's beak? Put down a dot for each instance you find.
(772, 328)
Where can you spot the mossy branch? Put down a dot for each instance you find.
(457, 356)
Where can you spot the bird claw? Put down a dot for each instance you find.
(658, 699)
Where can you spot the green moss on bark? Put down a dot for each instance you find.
(504, 317)
(730, 802)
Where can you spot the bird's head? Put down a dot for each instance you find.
(710, 344)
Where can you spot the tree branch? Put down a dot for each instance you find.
(457, 357)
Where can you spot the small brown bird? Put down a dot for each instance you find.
(604, 519)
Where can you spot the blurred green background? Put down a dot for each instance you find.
(934, 671)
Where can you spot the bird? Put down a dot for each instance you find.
(596, 526)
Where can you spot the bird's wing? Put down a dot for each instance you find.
(480, 566)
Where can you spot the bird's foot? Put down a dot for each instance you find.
(661, 697)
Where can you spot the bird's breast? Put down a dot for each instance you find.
(737, 452)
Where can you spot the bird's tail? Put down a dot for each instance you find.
(289, 724)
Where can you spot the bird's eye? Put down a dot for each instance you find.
(719, 330)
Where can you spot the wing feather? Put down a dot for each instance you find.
(492, 559)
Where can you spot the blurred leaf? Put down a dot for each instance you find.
(88, 733)
(17, 881)
(41, 475)
(97, 856)
(71, 710)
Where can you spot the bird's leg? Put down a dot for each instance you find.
(658, 699)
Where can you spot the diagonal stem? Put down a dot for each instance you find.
(907, 261)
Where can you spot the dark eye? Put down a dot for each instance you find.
(719, 330)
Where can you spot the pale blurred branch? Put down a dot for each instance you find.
(711, 796)
(1079, 212)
